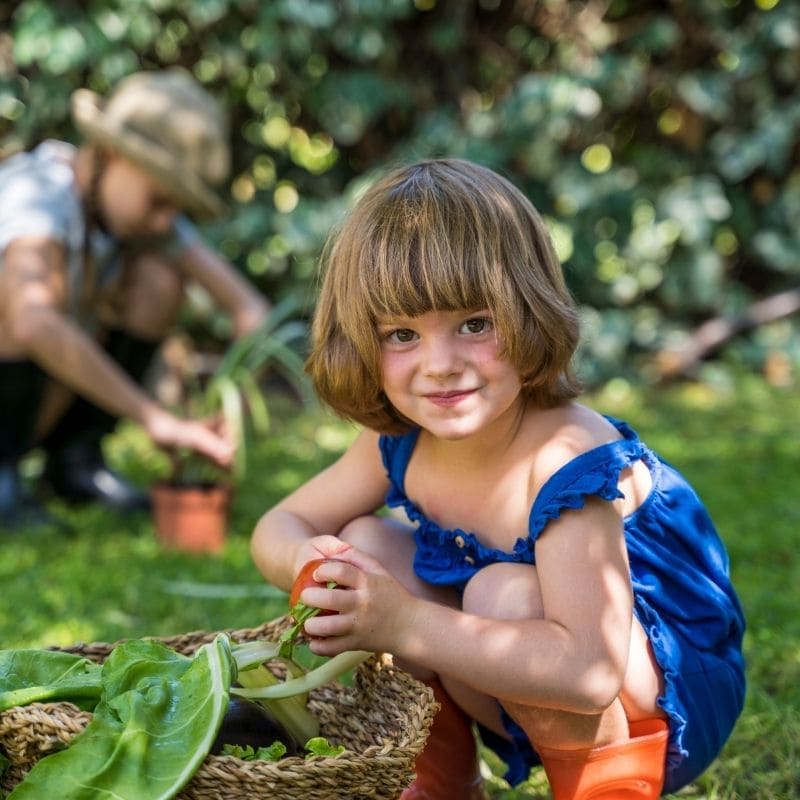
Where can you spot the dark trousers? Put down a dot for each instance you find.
(85, 422)
(22, 386)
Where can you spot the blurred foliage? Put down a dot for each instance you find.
(660, 140)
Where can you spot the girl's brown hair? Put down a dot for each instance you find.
(440, 235)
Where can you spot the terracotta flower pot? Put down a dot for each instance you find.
(191, 518)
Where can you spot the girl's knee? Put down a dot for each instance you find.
(391, 542)
(383, 538)
(505, 591)
(365, 532)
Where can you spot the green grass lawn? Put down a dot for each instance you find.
(738, 445)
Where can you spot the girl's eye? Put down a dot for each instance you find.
(400, 335)
(477, 325)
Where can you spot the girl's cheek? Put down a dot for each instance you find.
(489, 357)
(489, 350)
(394, 363)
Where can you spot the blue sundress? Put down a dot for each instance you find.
(683, 596)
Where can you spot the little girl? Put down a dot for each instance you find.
(553, 579)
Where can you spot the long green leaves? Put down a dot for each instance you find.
(155, 723)
(310, 680)
(232, 393)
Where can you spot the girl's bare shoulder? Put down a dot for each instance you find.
(563, 433)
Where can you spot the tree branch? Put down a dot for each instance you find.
(715, 332)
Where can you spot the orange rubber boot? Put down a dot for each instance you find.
(632, 770)
(447, 767)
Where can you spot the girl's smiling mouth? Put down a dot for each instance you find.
(450, 398)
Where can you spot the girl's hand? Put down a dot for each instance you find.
(319, 547)
(304, 579)
(370, 610)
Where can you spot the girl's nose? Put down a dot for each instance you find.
(441, 358)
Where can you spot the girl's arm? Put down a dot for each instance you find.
(573, 659)
(351, 487)
(247, 308)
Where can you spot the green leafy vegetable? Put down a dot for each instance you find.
(158, 715)
(275, 752)
(300, 614)
(39, 676)
(319, 746)
(316, 746)
(310, 680)
(291, 712)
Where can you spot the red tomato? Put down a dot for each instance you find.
(304, 579)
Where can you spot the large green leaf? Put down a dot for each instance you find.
(39, 676)
(156, 721)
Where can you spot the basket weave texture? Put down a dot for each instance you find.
(382, 720)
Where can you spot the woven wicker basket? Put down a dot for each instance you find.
(382, 719)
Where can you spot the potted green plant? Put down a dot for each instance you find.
(191, 505)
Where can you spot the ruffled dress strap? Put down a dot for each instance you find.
(594, 473)
(396, 453)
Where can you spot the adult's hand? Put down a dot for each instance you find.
(203, 436)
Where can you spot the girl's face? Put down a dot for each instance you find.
(132, 203)
(443, 371)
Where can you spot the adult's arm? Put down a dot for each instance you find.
(33, 296)
(246, 307)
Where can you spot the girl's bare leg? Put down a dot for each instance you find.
(511, 591)
(448, 766)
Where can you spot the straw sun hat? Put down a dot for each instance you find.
(167, 124)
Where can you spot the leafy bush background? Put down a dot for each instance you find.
(659, 140)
